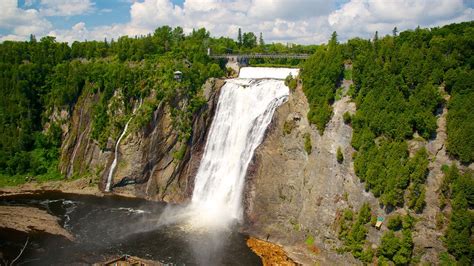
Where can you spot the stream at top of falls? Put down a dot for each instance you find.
(205, 232)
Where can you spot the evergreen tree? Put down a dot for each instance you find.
(333, 40)
(239, 38)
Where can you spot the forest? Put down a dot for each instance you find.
(39, 78)
(402, 82)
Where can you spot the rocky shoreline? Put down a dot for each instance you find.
(31, 220)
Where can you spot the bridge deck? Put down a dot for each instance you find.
(248, 56)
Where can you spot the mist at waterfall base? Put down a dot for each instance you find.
(245, 109)
(111, 226)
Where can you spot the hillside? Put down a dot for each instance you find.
(372, 128)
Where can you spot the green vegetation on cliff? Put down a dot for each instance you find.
(40, 79)
(458, 189)
(395, 245)
(321, 74)
(399, 82)
(460, 126)
(353, 232)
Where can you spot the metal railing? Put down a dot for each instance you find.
(249, 56)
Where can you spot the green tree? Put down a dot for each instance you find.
(249, 40)
(260, 40)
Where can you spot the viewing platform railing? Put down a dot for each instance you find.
(249, 56)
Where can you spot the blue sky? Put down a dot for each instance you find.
(298, 21)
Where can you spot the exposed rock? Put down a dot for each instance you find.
(85, 186)
(148, 157)
(80, 154)
(291, 195)
(128, 261)
(29, 219)
(270, 253)
(146, 166)
(427, 234)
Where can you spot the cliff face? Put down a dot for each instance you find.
(295, 194)
(79, 153)
(296, 198)
(292, 195)
(147, 165)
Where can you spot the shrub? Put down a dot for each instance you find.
(307, 143)
(309, 241)
(288, 127)
(339, 155)
(347, 118)
(290, 82)
(395, 222)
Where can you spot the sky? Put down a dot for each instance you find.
(286, 21)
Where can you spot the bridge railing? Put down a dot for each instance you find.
(248, 56)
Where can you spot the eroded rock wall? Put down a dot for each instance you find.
(292, 195)
(147, 165)
(80, 154)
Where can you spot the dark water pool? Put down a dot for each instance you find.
(105, 227)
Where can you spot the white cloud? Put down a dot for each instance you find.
(290, 10)
(21, 22)
(282, 20)
(65, 7)
(299, 21)
(364, 17)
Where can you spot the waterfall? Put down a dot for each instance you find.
(114, 163)
(245, 108)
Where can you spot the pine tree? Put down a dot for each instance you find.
(239, 37)
(260, 40)
(333, 38)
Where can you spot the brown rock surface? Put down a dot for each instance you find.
(270, 253)
(147, 166)
(29, 219)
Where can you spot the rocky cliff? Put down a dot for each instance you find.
(147, 165)
(296, 193)
(296, 189)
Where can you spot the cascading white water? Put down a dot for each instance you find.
(114, 163)
(245, 108)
